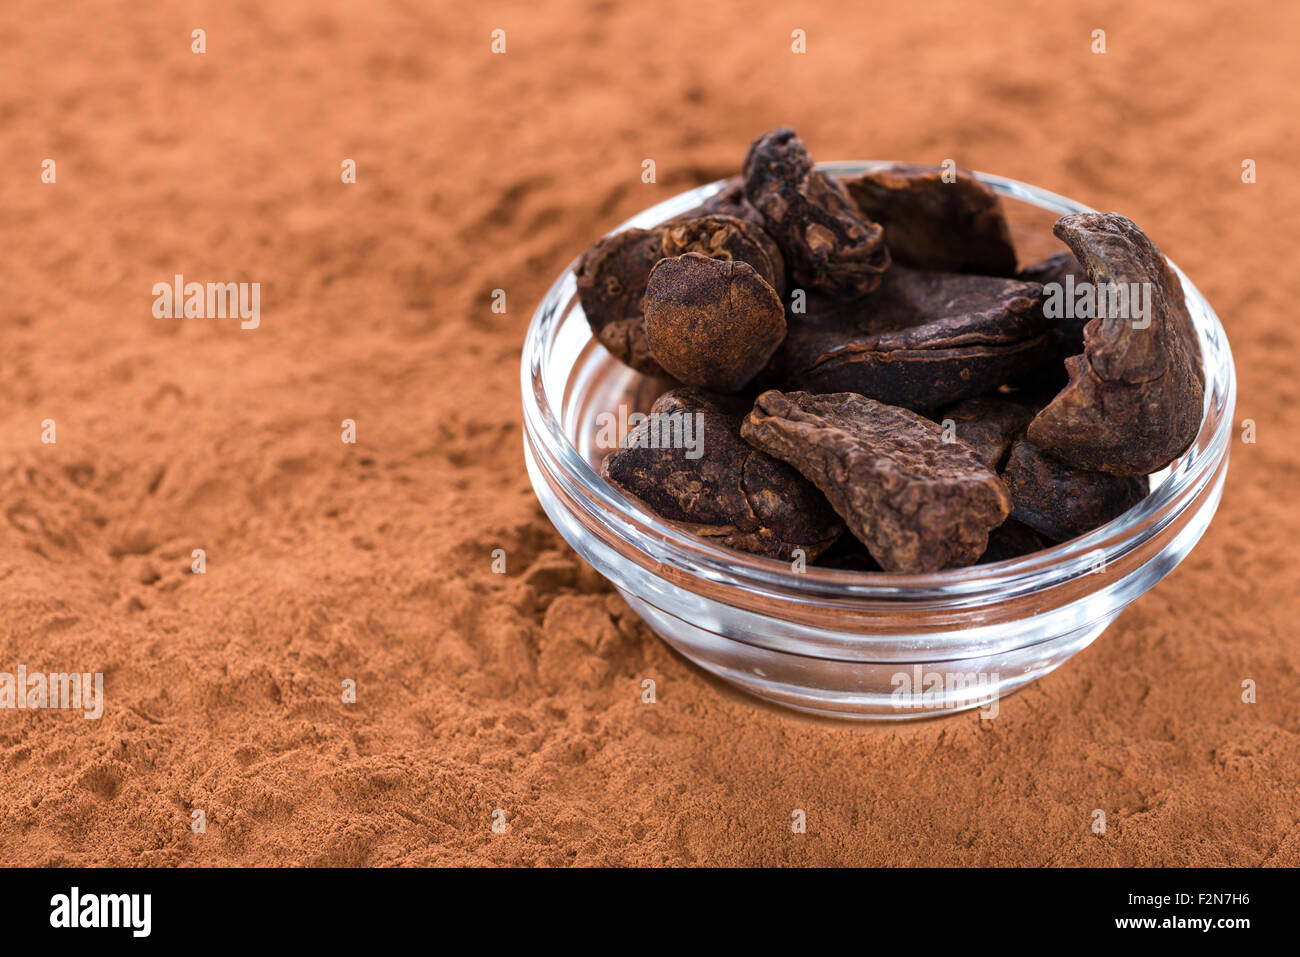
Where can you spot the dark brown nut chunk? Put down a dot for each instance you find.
(612, 277)
(727, 238)
(953, 226)
(923, 340)
(1010, 540)
(1063, 502)
(1133, 403)
(827, 244)
(987, 424)
(718, 487)
(711, 322)
(917, 502)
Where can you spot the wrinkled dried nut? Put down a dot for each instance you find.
(917, 502)
(826, 242)
(1010, 540)
(728, 238)
(711, 322)
(921, 341)
(611, 278)
(987, 424)
(612, 275)
(955, 226)
(1063, 502)
(1133, 403)
(716, 486)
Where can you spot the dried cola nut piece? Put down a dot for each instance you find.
(987, 424)
(953, 226)
(612, 277)
(923, 340)
(1063, 502)
(711, 322)
(718, 487)
(917, 502)
(727, 238)
(613, 273)
(1009, 540)
(1133, 403)
(827, 244)
(729, 201)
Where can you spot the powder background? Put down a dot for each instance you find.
(522, 692)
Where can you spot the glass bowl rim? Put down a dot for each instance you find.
(664, 544)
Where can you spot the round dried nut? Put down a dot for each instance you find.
(726, 237)
(711, 322)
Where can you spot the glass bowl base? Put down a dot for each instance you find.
(864, 690)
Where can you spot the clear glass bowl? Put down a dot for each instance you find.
(847, 643)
